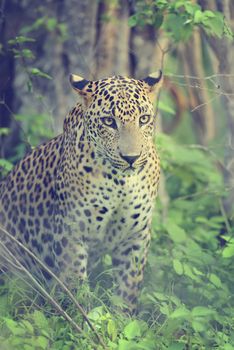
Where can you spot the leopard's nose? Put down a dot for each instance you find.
(129, 159)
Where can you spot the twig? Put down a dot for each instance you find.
(205, 103)
(42, 290)
(220, 92)
(60, 283)
(222, 209)
(196, 194)
(209, 77)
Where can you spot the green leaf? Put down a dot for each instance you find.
(181, 312)
(191, 8)
(228, 347)
(5, 164)
(164, 309)
(41, 342)
(28, 326)
(63, 31)
(107, 260)
(158, 20)
(197, 272)
(27, 53)
(51, 23)
(126, 345)
(112, 330)
(215, 280)
(198, 326)
(4, 131)
(96, 313)
(202, 311)
(20, 40)
(132, 21)
(40, 320)
(36, 25)
(178, 267)
(165, 108)
(177, 233)
(209, 14)
(214, 25)
(188, 271)
(228, 251)
(28, 347)
(160, 296)
(14, 327)
(174, 25)
(112, 345)
(198, 16)
(39, 73)
(132, 330)
(176, 346)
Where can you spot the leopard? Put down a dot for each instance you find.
(91, 190)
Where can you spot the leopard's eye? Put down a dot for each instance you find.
(144, 119)
(108, 121)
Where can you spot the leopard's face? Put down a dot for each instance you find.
(119, 118)
(120, 123)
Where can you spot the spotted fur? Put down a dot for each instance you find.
(90, 190)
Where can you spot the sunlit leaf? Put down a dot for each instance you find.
(177, 233)
(201, 311)
(178, 267)
(181, 312)
(133, 330)
(215, 280)
(228, 251)
(39, 73)
(4, 131)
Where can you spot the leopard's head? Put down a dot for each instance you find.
(119, 117)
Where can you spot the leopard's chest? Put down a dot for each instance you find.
(105, 208)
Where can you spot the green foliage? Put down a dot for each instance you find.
(187, 297)
(192, 269)
(23, 46)
(178, 18)
(5, 166)
(35, 129)
(186, 301)
(23, 334)
(50, 24)
(37, 72)
(25, 54)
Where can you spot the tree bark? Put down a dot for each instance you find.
(9, 27)
(112, 50)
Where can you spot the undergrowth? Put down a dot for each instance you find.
(186, 300)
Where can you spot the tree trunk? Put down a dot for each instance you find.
(112, 50)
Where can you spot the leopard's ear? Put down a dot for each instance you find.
(78, 83)
(83, 87)
(154, 82)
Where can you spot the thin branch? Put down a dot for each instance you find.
(196, 86)
(223, 211)
(205, 103)
(42, 290)
(60, 283)
(218, 75)
(212, 153)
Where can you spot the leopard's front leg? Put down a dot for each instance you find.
(129, 260)
(72, 261)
